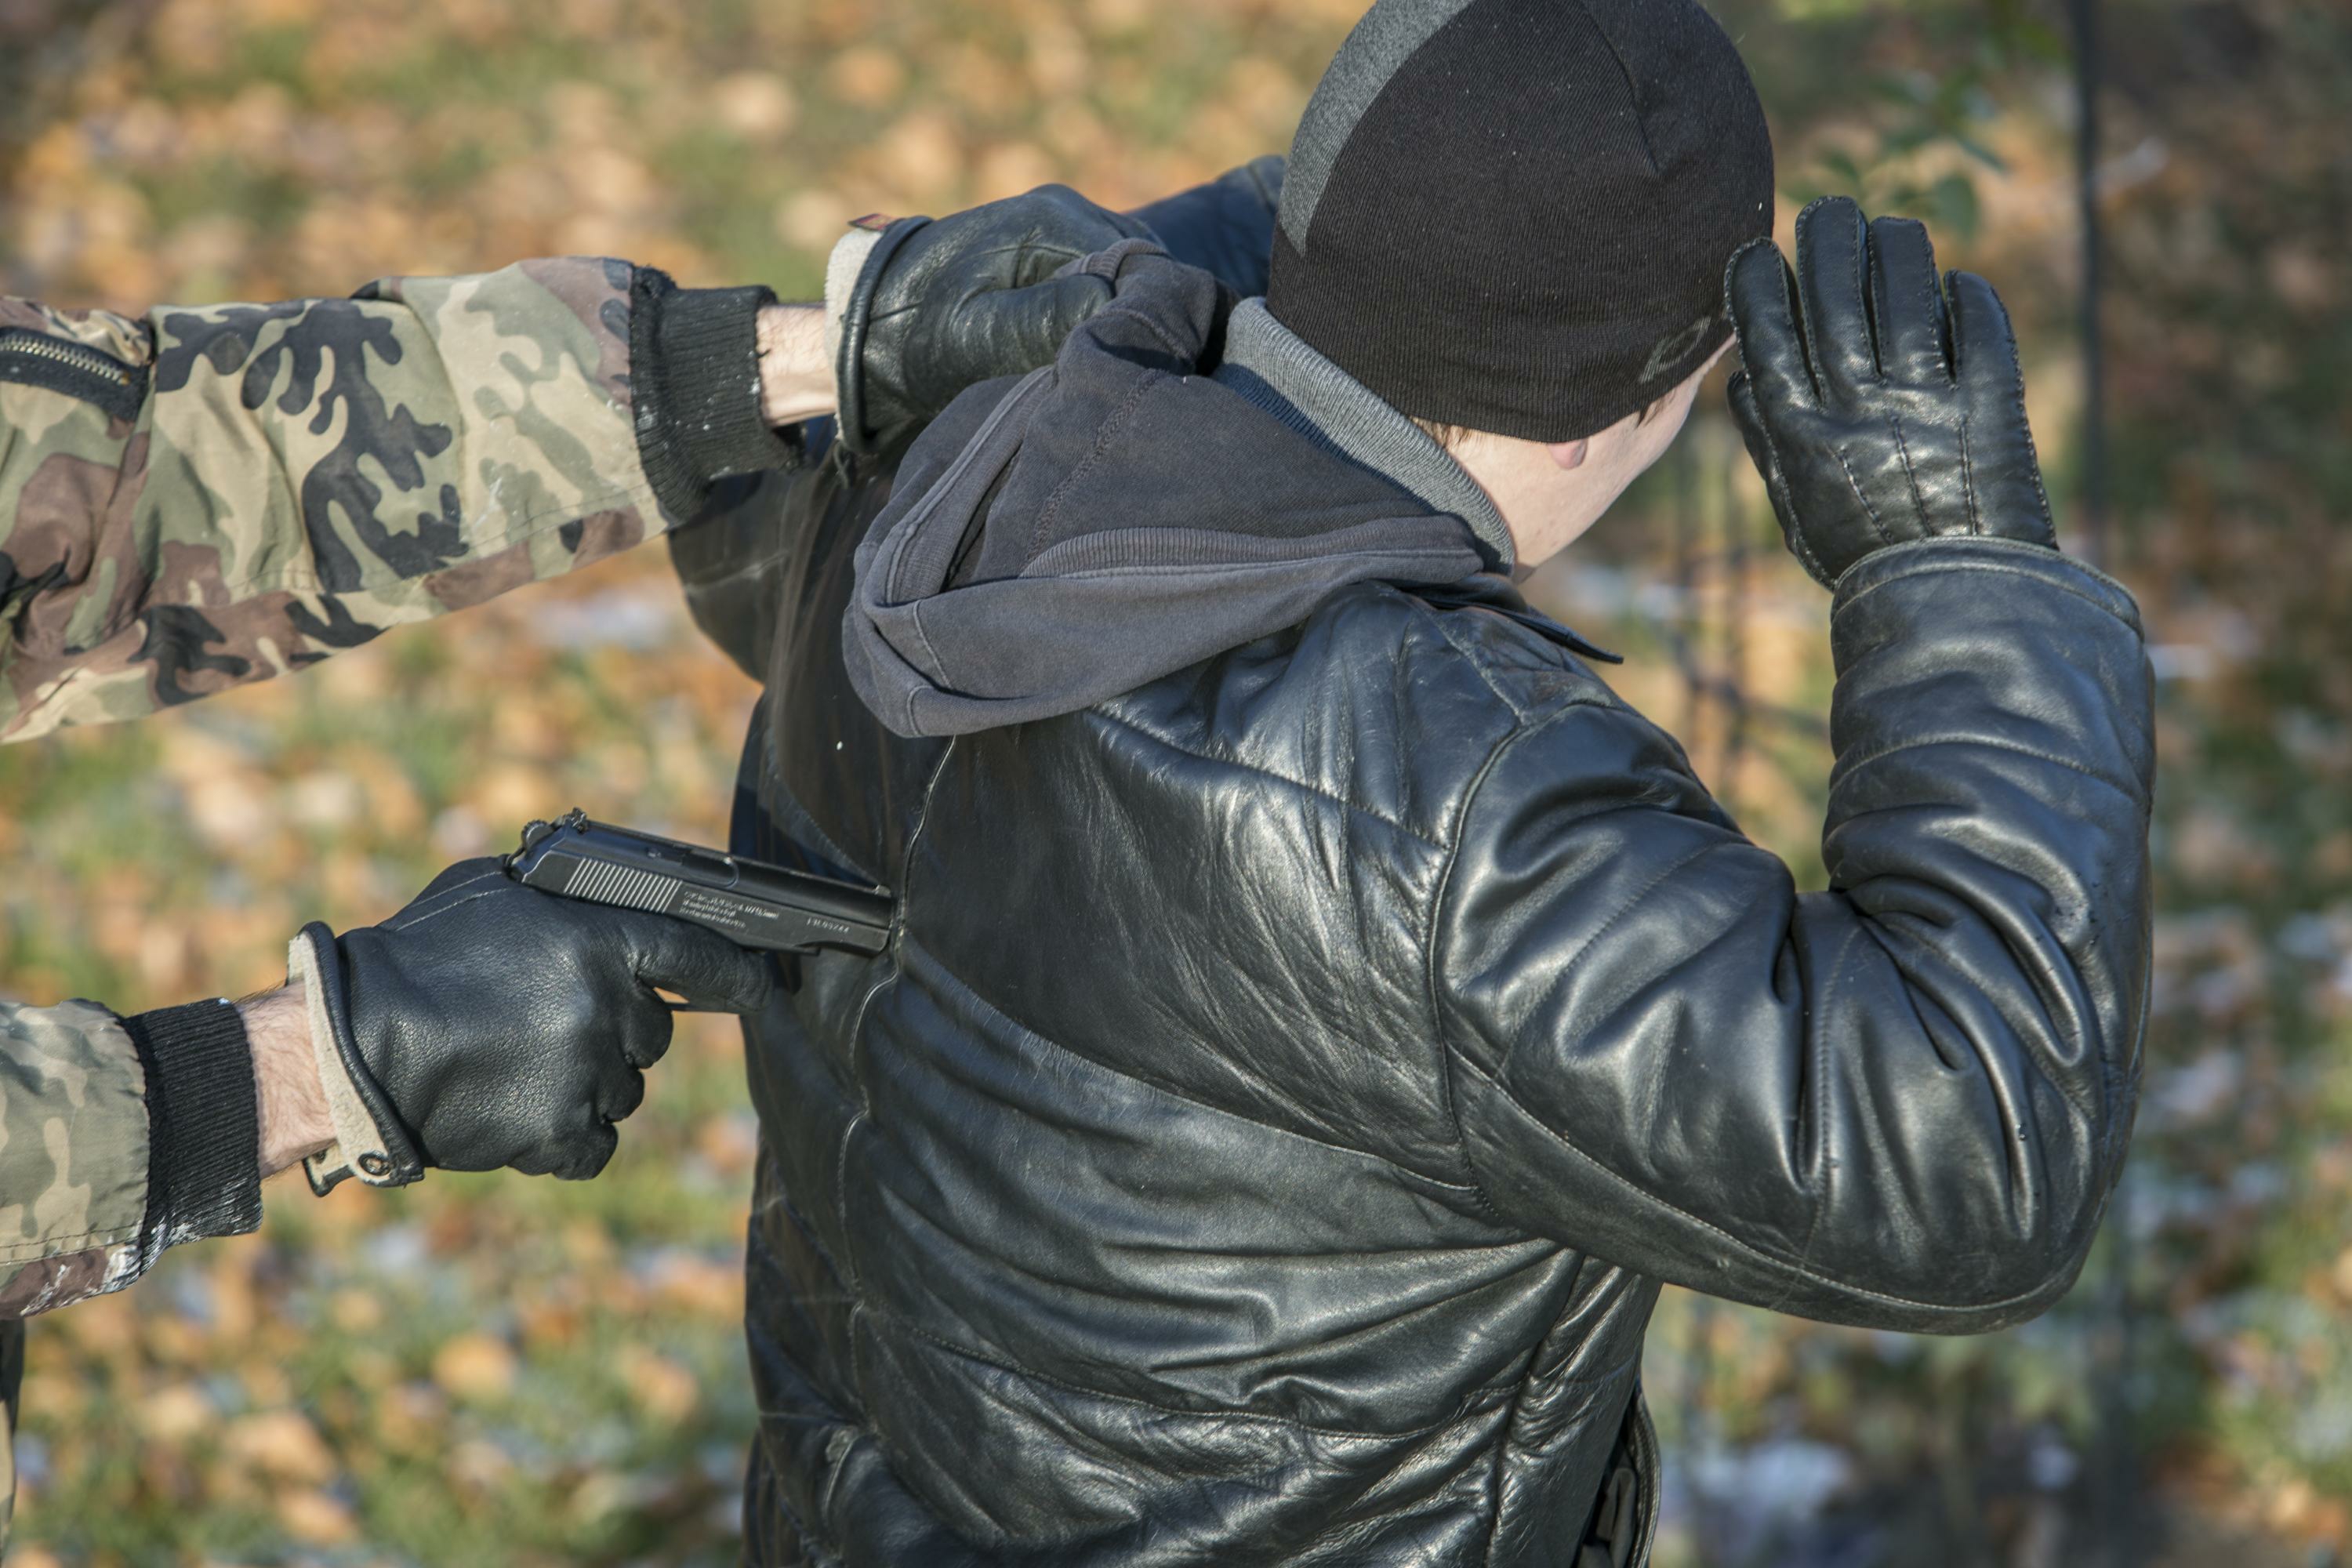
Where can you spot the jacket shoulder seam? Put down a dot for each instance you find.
(1526, 714)
(1356, 807)
(1446, 1047)
(1429, 973)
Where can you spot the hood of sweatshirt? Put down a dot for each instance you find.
(1124, 512)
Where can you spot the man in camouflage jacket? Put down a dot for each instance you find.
(197, 498)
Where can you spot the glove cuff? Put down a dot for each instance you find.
(856, 316)
(370, 1142)
(843, 269)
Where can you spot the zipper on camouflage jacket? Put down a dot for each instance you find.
(77, 370)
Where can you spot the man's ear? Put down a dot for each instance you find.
(1570, 454)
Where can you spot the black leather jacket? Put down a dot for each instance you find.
(1290, 1082)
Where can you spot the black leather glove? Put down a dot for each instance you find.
(942, 305)
(489, 1023)
(1878, 409)
(1224, 228)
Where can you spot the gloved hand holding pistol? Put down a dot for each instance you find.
(487, 1024)
(491, 1025)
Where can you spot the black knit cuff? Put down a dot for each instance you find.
(694, 376)
(204, 1125)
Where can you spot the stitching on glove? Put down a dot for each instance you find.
(1931, 300)
(2033, 462)
(1910, 472)
(2017, 373)
(1862, 294)
(1969, 479)
(1795, 529)
(443, 902)
(1884, 537)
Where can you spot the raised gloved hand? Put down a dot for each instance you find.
(1224, 228)
(929, 306)
(1879, 408)
(938, 306)
(491, 1025)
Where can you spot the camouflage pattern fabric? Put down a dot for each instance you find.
(73, 1155)
(12, 1378)
(198, 498)
(73, 1163)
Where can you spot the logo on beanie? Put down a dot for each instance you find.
(1671, 349)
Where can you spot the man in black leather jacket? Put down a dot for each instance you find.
(1320, 1013)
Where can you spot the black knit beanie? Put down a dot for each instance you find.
(1515, 215)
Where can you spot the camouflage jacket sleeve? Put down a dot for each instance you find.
(196, 498)
(119, 1138)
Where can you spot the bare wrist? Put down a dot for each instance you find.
(295, 1123)
(796, 374)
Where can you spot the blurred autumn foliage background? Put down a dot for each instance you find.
(486, 1370)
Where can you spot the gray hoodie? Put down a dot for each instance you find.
(1121, 514)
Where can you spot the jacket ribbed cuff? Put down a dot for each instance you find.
(695, 376)
(204, 1125)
